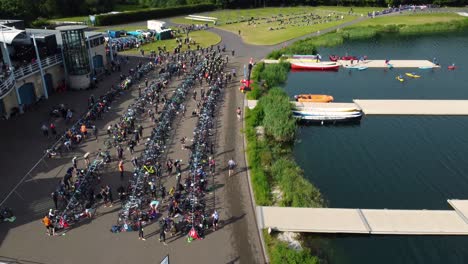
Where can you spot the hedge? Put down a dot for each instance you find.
(151, 13)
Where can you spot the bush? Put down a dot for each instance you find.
(151, 13)
(40, 23)
(260, 182)
(297, 192)
(298, 47)
(266, 76)
(280, 253)
(275, 74)
(278, 121)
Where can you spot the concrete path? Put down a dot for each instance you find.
(24, 241)
(367, 221)
(92, 240)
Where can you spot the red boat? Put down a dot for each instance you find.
(315, 66)
(336, 58)
(452, 67)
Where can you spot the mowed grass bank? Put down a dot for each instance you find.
(269, 26)
(202, 38)
(272, 33)
(410, 19)
(414, 24)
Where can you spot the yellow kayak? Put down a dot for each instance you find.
(412, 75)
(400, 79)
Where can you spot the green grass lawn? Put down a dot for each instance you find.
(71, 19)
(261, 33)
(356, 9)
(203, 38)
(126, 28)
(411, 19)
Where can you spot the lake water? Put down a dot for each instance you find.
(395, 162)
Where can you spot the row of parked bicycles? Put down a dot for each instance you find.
(195, 220)
(138, 197)
(187, 205)
(74, 195)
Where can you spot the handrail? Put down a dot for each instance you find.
(25, 71)
(7, 85)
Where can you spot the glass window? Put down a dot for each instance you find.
(75, 52)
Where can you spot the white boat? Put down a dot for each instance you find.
(359, 68)
(320, 66)
(323, 117)
(426, 67)
(325, 109)
(326, 113)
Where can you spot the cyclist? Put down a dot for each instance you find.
(231, 165)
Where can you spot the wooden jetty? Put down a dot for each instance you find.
(367, 221)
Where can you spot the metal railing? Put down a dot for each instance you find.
(7, 85)
(27, 70)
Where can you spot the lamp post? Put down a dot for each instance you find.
(46, 94)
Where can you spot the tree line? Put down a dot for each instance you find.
(30, 10)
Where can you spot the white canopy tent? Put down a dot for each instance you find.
(7, 34)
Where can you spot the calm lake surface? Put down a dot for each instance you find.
(395, 162)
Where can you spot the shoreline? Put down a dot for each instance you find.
(442, 29)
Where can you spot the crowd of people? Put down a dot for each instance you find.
(146, 191)
(145, 198)
(74, 198)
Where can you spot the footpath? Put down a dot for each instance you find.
(236, 241)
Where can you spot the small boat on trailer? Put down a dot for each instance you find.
(313, 98)
(310, 66)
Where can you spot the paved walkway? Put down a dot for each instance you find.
(92, 240)
(22, 144)
(367, 221)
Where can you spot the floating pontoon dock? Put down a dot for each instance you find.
(311, 106)
(367, 221)
(393, 63)
(372, 63)
(389, 107)
(413, 107)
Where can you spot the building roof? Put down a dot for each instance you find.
(40, 33)
(8, 35)
(93, 34)
(7, 21)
